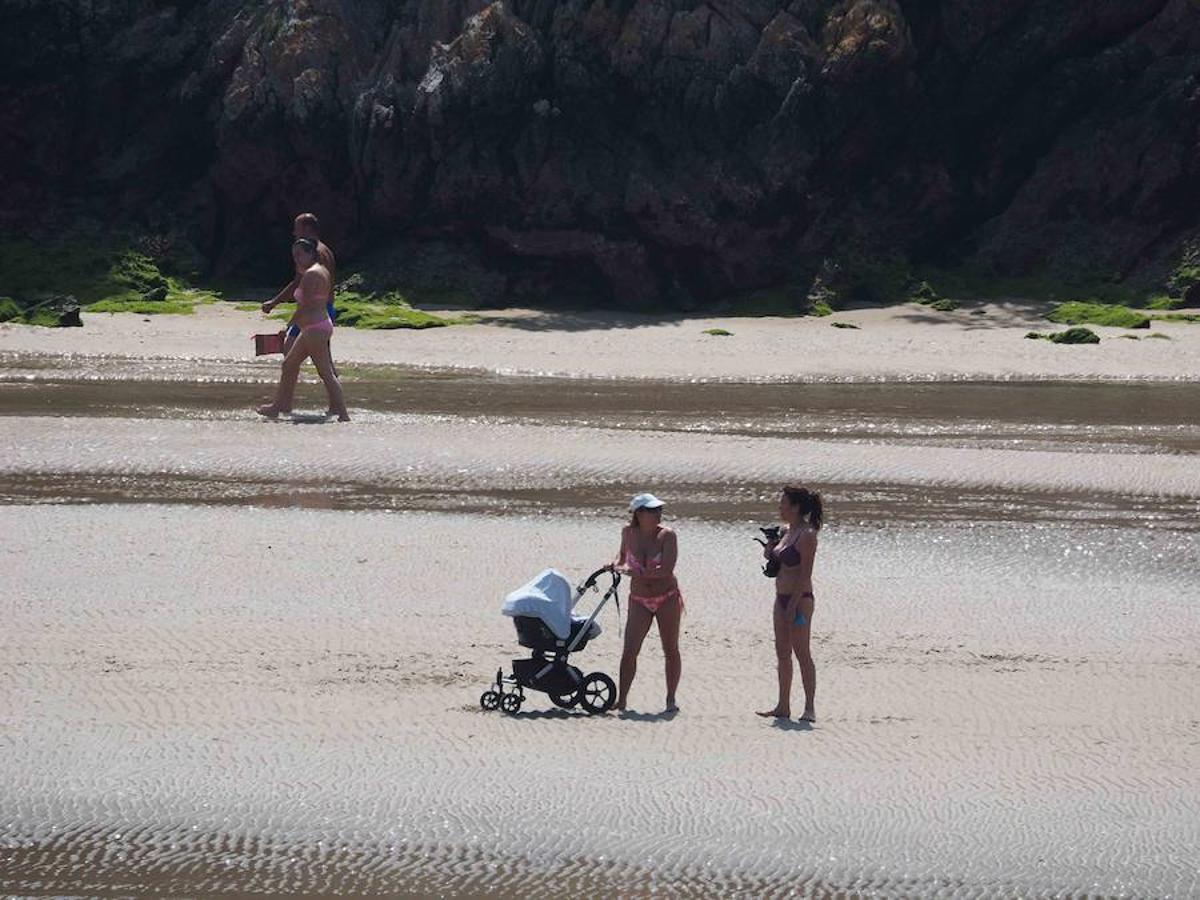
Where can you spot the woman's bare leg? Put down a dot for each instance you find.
(290, 371)
(783, 660)
(669, 616)
(636, 628)
(801, 641)
(333, 387)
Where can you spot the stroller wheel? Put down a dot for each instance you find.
(511, 703)
(565, 701)
(598, 693)
(490, 700)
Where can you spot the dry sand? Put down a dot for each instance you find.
(981, 341)
(197, 699)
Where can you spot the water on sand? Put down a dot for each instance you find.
(245, 657)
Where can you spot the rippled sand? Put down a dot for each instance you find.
(241, 656)
(288, 700)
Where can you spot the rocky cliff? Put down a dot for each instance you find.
(629, 150)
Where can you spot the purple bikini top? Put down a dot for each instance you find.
(789, 556)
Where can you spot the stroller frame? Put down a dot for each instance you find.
(549, 672)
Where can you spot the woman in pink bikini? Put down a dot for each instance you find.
(316, 329)
(803, 512)
(648, 554)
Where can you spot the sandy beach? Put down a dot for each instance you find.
(980, 341)
(246, 657)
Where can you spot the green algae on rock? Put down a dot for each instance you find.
(382, 316)
(1070, 336)
(1080, 312)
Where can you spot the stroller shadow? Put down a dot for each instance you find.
(560, 714)
(791, 725)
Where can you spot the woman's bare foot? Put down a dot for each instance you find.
(269, 410)
(775, 713)
(344, 417)
(809, 716)
(672, 706)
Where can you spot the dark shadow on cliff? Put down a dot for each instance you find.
(601, 320)
(981, 315)
(972, 315)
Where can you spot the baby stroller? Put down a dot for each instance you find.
(541, 612)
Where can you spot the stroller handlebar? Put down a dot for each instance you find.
(595, 576)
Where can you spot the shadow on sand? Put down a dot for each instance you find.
(627, 716)
(792, 725)
(630, 715)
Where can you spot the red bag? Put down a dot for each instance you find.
(268, 343)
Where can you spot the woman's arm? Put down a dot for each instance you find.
(283, 295)
(670, 554)
(806, 543)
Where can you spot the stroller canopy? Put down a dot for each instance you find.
(548, 597)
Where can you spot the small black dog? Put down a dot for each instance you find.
(772, 534)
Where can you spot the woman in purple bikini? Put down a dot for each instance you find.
(648, 554)
(803, 513)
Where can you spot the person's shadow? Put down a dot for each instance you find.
(792, 725)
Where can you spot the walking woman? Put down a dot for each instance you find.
(802, 511)
(648, 554)
(316, 330)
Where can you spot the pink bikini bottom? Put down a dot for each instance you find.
(325, 326)
(653, 603)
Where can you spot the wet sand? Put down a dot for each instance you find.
(246, 657)
(219, 705)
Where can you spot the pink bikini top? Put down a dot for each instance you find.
(636, 566)
(298, 294)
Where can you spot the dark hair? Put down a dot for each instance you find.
(811, 506)
(309, 245)
(309, 220)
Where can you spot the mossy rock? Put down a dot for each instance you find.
(924, 293)
(143, 307)
(104, 272)
(718, 332)
(46, 311)
(1070, 336)
(1161, 302)
(844, 325)
(1080, 312)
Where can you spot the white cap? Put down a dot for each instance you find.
(645, 501)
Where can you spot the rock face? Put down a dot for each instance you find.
(626, 150)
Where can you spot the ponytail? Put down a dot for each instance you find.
(812, 508)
